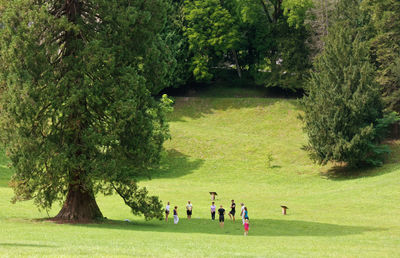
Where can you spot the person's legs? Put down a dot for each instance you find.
(230, 216)
(176, 219)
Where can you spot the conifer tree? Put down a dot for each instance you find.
(77, 114)
(385, 48)
(344, 117)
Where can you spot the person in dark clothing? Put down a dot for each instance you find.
(176, 218)
(233, 211)
(221, 212)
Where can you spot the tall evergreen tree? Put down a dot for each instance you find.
(385, 46)
(344, 117)
(77, 114)
(174, 36)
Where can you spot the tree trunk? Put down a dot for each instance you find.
(239, 71)
(394, 131)
(79, 206)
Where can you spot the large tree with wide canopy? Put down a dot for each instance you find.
(78, 116)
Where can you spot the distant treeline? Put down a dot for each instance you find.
(275, 42)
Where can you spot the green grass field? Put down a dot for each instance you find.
(221, 144)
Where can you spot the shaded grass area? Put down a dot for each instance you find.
(344, 173)
(232, 88)
(175, 164)
(260, 227)
(198, 107)
(221, 144)
(24, 245)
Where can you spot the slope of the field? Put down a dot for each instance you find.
(222, 144)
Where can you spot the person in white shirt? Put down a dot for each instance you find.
(189, 208)
(242, 212)
(166, 212)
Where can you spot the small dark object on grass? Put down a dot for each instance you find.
(284, 208)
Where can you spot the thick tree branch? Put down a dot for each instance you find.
(266, 10)
(278, 10)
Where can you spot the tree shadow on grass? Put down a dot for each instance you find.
(175, 164)
(198, 107)
(232, 89)
(258, 227)
(24, 245)
(341, 173)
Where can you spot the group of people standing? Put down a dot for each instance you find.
(221, 212)
(189, 208)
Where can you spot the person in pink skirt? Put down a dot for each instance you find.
(246, 227)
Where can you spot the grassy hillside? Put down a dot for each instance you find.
(221, 144)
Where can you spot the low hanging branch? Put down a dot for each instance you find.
(138, 200)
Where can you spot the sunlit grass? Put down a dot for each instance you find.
(221, 144)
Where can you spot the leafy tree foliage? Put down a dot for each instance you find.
(211, 33)
(275, 49)
(77, 112)
(296, 11)
(343, 116)
(264, 37)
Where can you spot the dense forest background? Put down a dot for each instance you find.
(274, 43)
